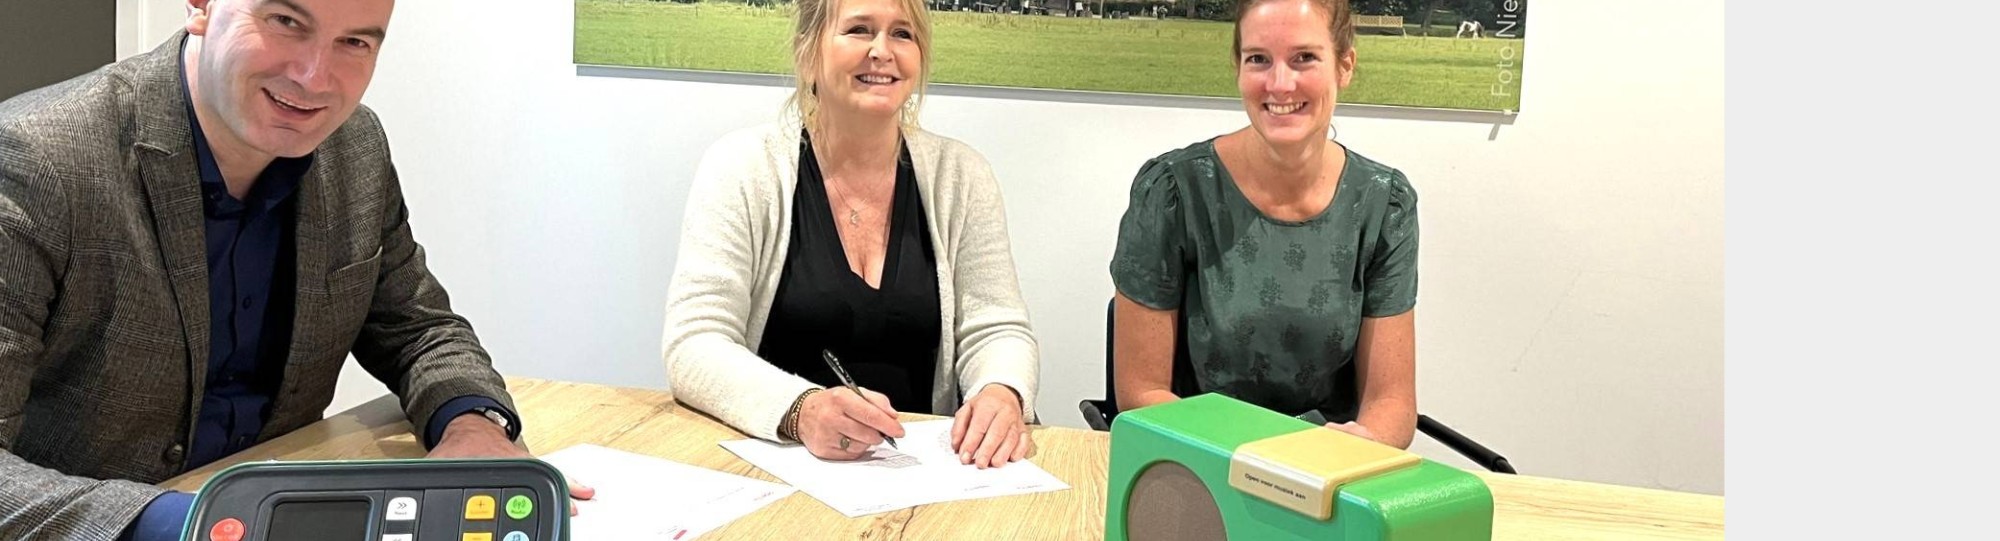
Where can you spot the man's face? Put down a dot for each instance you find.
(280, 75)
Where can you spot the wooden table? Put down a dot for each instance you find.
(561, 414)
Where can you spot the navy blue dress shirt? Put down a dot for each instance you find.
(251, 262)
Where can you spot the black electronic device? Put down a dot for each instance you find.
(383, 500)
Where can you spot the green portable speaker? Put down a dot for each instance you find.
(1214, 467)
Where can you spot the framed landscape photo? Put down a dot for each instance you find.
(1445, 54)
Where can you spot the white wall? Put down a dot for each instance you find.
(1571, 312)
(142, 24)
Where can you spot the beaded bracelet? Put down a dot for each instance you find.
(788, 428)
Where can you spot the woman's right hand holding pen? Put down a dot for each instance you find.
(836, 415)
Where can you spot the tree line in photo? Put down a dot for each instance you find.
(1420, 17)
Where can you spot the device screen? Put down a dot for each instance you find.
(341, 520)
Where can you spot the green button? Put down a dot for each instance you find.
(518, 507)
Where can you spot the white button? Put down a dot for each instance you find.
(399, 537)
(404, 508)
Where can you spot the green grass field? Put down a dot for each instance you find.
(1174, 56)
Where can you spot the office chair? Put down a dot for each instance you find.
(1099, 413)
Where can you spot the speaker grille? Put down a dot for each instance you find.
(1170, 503)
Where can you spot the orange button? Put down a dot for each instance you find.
(478, 536)
(478, 507)
(228, 530)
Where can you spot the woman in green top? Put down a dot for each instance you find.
(1282, 263)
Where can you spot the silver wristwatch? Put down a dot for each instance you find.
(498, 419)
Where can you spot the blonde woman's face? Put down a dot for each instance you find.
(869, 59)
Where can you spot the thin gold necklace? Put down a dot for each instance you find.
(853, 215)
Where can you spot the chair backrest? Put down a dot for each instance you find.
(1110, 345)
(1184, 381)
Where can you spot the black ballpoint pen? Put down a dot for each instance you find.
(841, 372)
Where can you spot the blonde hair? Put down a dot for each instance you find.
(809, 31)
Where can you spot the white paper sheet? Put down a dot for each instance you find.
(646, 497)
(924, 470)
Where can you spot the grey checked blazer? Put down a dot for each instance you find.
(104, 296)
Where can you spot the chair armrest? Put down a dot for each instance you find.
(1479, 454)
(1093, 414)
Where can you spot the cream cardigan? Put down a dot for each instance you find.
(734, 236)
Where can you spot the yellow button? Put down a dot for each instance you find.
(479, 507)
(478, 536)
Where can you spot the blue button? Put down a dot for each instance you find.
(515, 536)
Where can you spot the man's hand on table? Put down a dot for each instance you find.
(473, 436)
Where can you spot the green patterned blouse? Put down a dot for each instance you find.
(1271, 308)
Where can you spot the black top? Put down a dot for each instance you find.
(886, 338)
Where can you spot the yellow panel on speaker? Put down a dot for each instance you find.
(1303, 470)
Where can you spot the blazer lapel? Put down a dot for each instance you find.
(310, 244)
(171, 182)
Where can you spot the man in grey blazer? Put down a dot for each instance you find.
(191, 243)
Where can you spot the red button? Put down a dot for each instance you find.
(228, 530)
